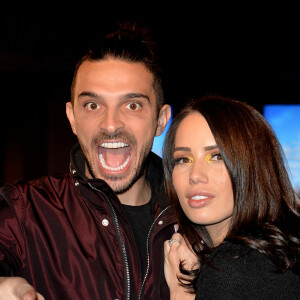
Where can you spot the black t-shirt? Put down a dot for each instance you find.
(141, 219)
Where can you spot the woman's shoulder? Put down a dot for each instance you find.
(230, 256)
(240, 271)
(229, 249)
(242, 257)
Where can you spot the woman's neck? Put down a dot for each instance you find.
(218, 231)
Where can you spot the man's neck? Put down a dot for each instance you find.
(138, 194)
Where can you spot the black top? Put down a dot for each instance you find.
(140, 218)
(245, 274)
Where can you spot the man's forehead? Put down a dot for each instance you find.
(114, 76)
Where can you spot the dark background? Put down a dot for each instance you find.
(247, 52)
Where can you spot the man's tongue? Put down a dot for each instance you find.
(115, 157)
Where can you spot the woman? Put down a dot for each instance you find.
(236, 208)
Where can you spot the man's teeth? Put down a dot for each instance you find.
(114, 145)
(105, 166)
(199, 197)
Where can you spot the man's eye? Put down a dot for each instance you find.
(92, 106)
(133, 106)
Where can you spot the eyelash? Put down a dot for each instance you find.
(139, 105)
(88, 104)
(210, 156)
(179, 160)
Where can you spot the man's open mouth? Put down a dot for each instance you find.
(114, 156)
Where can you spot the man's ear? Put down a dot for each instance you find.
(70, 115)
(163, 118)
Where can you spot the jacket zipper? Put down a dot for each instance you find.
(121, 243)
(148, 253)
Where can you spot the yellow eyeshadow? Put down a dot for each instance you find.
(208, 158)
(191, 160)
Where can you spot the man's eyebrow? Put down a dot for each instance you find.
(207, 148)
(135, 95)
(89, 94)
(125, 96)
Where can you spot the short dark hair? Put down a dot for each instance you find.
(266, 210)
(132, 43)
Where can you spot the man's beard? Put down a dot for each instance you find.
(122, 189)
(140, 170)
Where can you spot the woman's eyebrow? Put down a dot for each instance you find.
(207, 148)
(182, 149)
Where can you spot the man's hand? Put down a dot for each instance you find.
(17, 288)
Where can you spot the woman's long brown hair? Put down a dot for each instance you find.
(266, 214)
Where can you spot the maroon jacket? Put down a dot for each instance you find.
(71, 239)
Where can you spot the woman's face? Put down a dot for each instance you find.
(200, 177)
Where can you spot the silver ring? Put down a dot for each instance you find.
(171, 241)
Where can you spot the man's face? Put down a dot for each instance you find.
(114, 116)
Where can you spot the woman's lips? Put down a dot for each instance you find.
(198, 199)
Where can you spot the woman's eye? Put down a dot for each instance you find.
(133, 106)
(215, 157)
(182, 160)
(92, 106)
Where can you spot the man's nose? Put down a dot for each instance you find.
(111, 121)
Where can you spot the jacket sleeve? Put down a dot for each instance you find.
(10, 238)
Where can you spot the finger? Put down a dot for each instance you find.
(166, 246)
(189, 258)
(26, 292)
(172, 243)
(177, 236)
(176, 240)
(40, 297)
(176, 227)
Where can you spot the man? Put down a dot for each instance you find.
(97, 232)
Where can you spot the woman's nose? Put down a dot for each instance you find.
(198, 173)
